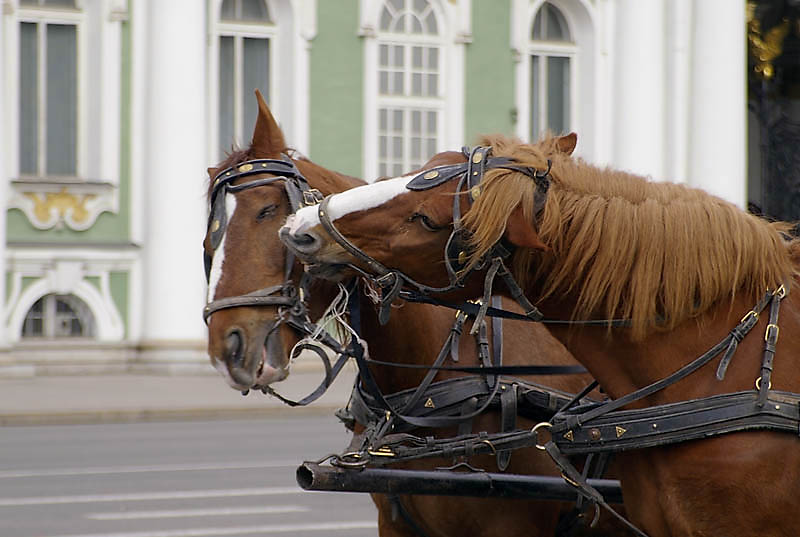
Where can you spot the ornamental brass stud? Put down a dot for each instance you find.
(245, 167)
(594, 434)
(462, 257)
(474, 192)
(433, 174)
(620, 431)
(263, 164)
(569, 436)
(477, 157)
(429, 403)
(214, 226)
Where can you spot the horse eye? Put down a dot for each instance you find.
(267, 212)
(425, 222)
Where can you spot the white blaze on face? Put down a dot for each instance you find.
(219, 255)
(350, 201)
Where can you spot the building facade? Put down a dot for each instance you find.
(113, 110)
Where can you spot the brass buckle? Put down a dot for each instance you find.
(758, 384)
(382, 452)
(777, 332)
(749, 314)
(780, 292)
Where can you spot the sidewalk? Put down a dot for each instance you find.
(120, 398)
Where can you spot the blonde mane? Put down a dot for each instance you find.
(656, 253)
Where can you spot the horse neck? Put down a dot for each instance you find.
(622, 364)
(414, 334)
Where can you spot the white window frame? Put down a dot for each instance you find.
(99, 65)
(239, 31)
(588, 99)
(454, 32)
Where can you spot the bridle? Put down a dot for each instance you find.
(393, 282)
(285, 295)
(290, 299)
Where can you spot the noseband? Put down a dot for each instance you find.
(285, 295)
(469, 175)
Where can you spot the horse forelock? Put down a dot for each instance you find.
(656, 253)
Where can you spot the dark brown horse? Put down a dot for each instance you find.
(250, 348)
(679, 264)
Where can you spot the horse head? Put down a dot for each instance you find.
(422, 223)
(251, 294)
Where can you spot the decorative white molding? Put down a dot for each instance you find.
(67, 273)
(53, 204)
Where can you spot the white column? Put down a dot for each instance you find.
(175, 160)
(639, 103)
(5, 177)
(717, 136)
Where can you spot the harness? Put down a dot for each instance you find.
(582, 427)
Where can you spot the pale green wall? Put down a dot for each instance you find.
(118, 284)
(489, 71)
(337, 96)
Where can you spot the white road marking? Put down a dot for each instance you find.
(241, 530)
(180, 513)
(144, 469)
(144, 496)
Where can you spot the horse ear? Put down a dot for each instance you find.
(520, 232)
(268, 138)
(566, 144)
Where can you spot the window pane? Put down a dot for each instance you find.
(386, 19)
(397, 120)
(536, 120)
(62, 99)
(430, 21)
(254, 10)
(558, 94)
(384, 82)
(28, 102)
(416, 26)
(416, 121)
(433, 58)
(557, 29)
(255, 75)
(416, 57)
(398, 87)
(228, 10)
(226, 96)
(384, 55)
(416, 84)
(59, 3)
(398, 56)
(432, 122)
(433, 85)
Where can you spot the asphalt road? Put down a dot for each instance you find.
(174, 479)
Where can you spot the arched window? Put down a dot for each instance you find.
(409, 85)
(246, 34)
(59, 316)
(552, 55)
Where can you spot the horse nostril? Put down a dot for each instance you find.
(234, 350)
(304, 239)
(303, 243)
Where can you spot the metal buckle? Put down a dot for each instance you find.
(749, 314)
(758, 384)
(780, 292)
(312, 196)
(767, 334)
(383, 451)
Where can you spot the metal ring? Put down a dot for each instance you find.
(758, 384)
(535, 431)
(491, 446)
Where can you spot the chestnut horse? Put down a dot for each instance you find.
(680, 266)
(250, 347)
